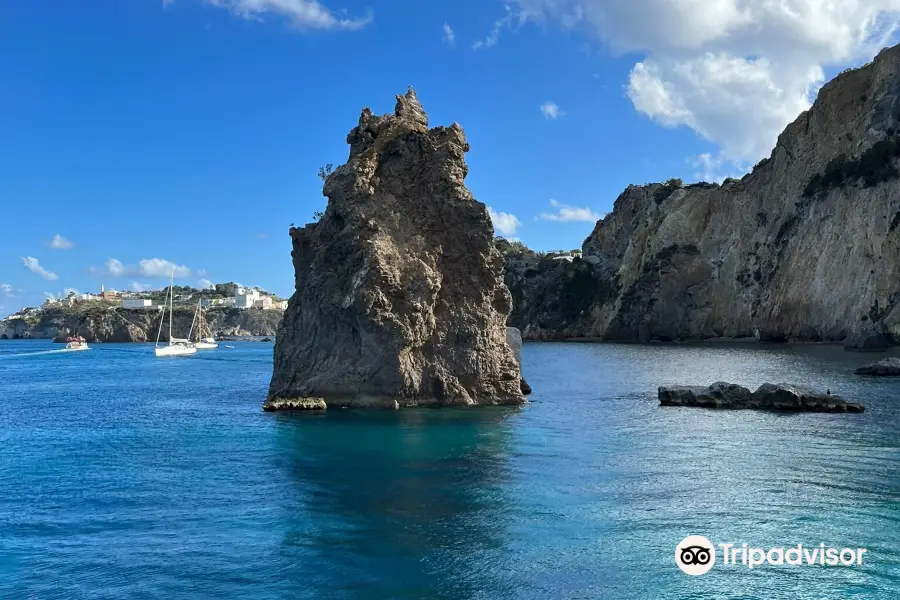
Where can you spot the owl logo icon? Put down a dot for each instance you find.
(695, 555)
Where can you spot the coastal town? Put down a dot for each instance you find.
(26, 322)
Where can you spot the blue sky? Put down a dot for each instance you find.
(190, 131)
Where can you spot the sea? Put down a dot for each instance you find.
(127, 476)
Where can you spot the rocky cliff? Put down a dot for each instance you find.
(99, 323)
(804, 248)
(399, 292)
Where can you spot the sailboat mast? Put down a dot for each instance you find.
(171, 304)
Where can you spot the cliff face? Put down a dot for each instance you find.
(805, 248)
(399, 294)
(105, 324)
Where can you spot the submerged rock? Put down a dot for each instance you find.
(399, 293)
(889, 367)
(295, 404)
(769, 396)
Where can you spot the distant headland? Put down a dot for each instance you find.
(111, 316)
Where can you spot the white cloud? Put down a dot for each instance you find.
(34, 265)
(63, 294)
(741, 104)
(302, 14)
(10, 291)
(60, 243)
(712, 168)
(137, 286)
(205, 283)
(513, 19)
(115, 267)
(158, 267)
(735, 71)
(551, 110)
(147, 267)
(449, 34)
(505, 223)
(566, 213)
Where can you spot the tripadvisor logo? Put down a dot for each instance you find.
(696, 555)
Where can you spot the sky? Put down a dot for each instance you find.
(140, 135)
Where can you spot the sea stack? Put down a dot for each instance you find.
(399, 299)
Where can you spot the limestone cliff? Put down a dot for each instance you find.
(399, 293)
(804, 248)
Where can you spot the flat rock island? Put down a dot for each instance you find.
(889, 367)
(400, 299)
(769, 396)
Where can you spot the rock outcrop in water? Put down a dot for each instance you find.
(805, 248)
(889, 367)
(399, 293)
(769, 396)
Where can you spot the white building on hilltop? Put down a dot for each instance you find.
(246, 298)
(263, 302)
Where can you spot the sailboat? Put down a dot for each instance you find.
(206, 343)
(175, 346)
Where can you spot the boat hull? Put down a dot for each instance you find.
(76, 348)
(206, 346)
(174, 350)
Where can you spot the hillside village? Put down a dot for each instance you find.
(229, 295)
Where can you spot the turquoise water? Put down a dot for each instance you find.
(126, 476)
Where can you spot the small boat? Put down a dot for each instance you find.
(175, 346)
(76, 343)
(232, 347)
(206, 343)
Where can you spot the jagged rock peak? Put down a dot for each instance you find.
(408, 107)
(408, 116)
(399, 296)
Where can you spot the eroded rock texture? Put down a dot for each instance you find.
(769, 396)
(805, 248)
(399, 293)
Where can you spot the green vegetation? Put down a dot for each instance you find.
(875, 166)
(514, 249)
(760, 165)
(325, 171)
(667, 189)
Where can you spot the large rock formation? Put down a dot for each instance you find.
(889, 367)
(400, 299)
(804, 248)
(769, 396)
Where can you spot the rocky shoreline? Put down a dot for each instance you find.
(769, 396)
(111, 324)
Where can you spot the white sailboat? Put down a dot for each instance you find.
(175, 346)
(206, 343)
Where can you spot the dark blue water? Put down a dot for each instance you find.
(127, 476)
